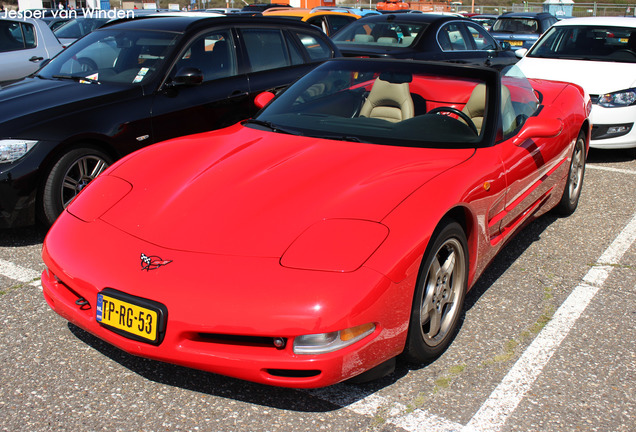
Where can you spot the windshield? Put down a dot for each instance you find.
(113, 56)
(516, 25)
(602, 43)
(399, 103)
(79, 27)
(384, 34)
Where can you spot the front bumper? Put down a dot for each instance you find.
(17, 201)
(222, 311)
(19, 183)
(603, 119)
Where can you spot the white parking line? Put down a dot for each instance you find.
(21, 274)
(610, 169)
(370, 404)
(504, 399)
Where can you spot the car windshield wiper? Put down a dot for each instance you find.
(350, 138)
(77, 78)
(272, 126)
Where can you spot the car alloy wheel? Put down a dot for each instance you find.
(439, 296)
(70, 174)
(574, 182)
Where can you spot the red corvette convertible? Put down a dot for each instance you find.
(338, 229)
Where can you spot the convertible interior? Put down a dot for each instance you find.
(399, 106)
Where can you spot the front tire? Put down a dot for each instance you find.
(570, 198)
(439, 295)
(69, 175)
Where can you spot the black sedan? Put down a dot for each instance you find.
(422, 37)
(131, 84)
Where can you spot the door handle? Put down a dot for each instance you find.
(238, 93)
(36, 59)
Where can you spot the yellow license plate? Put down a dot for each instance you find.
(515, 43)
(129, 315)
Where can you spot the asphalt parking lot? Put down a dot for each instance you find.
(547, 343)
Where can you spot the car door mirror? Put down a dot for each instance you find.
(188, 76)
(262, 99)
(505, 46)
(536, 127)
(521, 52)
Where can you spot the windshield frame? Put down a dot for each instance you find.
(275, 112)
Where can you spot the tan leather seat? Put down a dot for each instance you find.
(363, 38)
(388, 101)
(476, 106)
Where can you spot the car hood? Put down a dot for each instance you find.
(241, 191)
(616, 75)
(29, 102)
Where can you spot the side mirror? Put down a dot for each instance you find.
(505, 46)
(536, 127)
(188, 76)
(262, 99)
(521, 52)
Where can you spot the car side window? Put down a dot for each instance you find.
(317, 49)
(319, 22)
(336, 22)
(266, 49)
(482, 40)
(16, 36)
(451, 38)
(295, 52)
(28, 32)
(548, 23)
(212, 53)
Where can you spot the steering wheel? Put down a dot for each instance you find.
(461, 114)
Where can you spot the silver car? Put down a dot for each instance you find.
(24, 44)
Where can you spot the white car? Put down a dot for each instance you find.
(25, 43)
(599, 54)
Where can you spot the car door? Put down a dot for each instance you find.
(491, 54)
(457, 45)
(220, 100)
(529, 164)
(20, 54)
(278, 57)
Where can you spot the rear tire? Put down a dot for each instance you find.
(439, 296)
(570, 198)
(69, 175)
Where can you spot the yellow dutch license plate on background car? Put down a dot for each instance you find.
(132, 317)
(515, 43)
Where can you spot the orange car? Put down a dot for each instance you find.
(329, 21)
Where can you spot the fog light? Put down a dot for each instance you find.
(279, 342)
(617, 129)
(322, 343)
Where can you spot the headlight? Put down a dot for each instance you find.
(338, 245)
(13, 149)
(322, 343)
(621, 98)
(98, 197)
